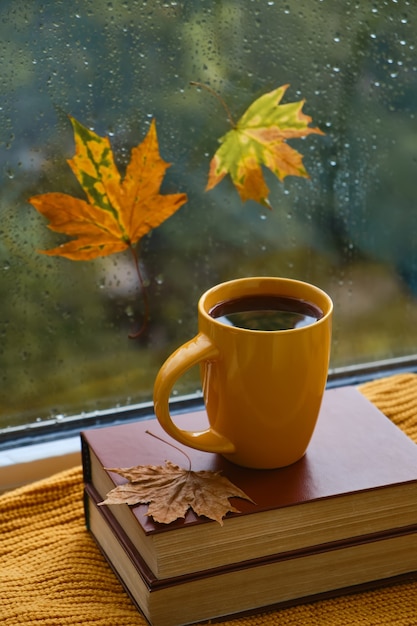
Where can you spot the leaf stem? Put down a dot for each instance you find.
(219, 98)
(144, 292)
(148, 432)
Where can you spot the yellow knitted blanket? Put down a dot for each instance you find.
(52, 573)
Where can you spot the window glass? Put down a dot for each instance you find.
(351, 228)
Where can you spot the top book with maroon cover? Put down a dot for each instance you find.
(358, 478)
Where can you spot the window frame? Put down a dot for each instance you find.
(52, 429)
(56, 428)
(36, 451)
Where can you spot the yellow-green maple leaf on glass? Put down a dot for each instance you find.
(259, 139)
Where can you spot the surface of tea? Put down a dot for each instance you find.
(266, 312)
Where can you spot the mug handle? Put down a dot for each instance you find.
(198, 349)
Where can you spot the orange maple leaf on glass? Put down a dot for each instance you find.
(118, 211)
(259, 139)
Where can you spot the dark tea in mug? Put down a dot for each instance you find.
(266, 312)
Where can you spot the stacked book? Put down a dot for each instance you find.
(342, 518)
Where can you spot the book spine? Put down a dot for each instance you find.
(86, 460)
(86, 503)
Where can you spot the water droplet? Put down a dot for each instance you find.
(129, 310)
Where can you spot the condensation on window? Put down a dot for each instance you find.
(350, 228)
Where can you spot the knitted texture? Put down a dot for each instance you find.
(52, 573)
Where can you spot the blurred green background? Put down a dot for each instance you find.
(351, 228)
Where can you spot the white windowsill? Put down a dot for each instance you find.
(26, 464)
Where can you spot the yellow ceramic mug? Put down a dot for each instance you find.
(262, 388)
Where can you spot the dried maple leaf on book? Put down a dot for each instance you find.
(171, 490)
